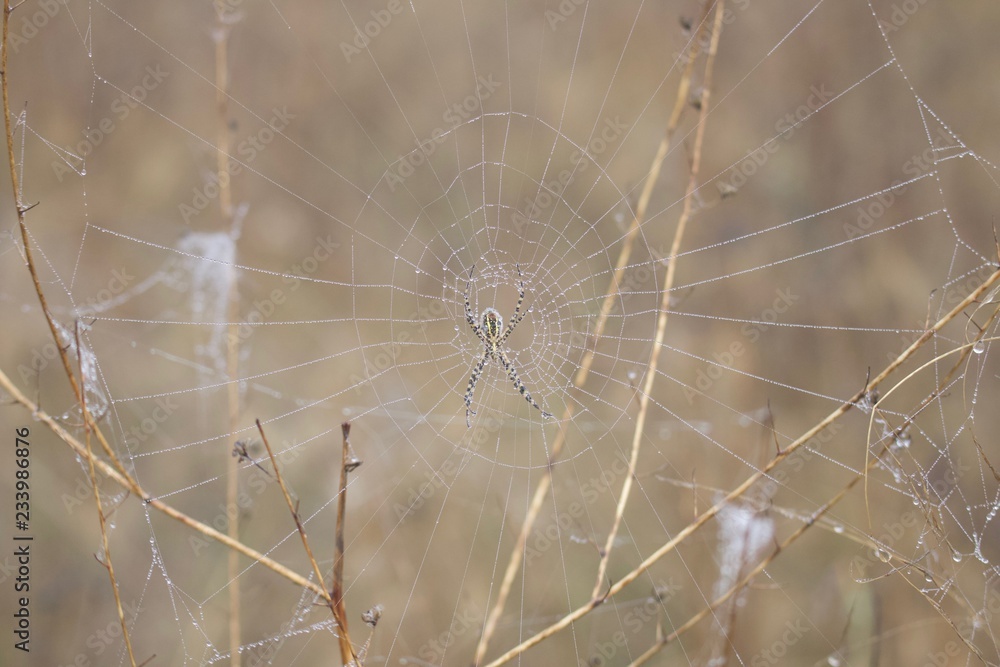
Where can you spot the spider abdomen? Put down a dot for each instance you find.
(492, 325)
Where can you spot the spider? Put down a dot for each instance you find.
(493, 334)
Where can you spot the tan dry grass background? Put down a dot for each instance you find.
(437, 571)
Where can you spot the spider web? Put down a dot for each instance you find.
(843, 205)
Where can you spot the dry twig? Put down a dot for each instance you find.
(668, 283)
(346, 650)
(105, 543)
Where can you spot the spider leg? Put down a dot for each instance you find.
(518, 315)
(471, 389)
(469, 317)
(512, 374)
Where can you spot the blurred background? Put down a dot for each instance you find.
(383, 162)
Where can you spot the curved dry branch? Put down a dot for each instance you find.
(129, 483)
(668, 283)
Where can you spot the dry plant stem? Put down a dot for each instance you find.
(337, 592)
(295, 515)
(26, 241)
(544, 484)
(727, 633)
(232, 477)
(222, 105)
(21, 209)
(6, 109)
(346, 651)
(668, 283)
(737, 492)
(129, 483)
(107, 562)
(116, 471)
(944, 615)
(221, 36)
